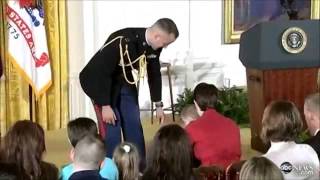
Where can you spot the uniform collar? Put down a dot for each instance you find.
(317, 131)
(145, 37)
(141, 35)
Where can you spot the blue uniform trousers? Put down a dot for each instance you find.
(128, 120)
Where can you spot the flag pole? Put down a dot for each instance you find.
(31, 103)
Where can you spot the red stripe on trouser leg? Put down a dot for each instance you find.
(101, 123)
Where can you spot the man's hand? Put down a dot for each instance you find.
(108, 115)
(160, 114)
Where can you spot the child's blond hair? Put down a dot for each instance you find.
(189, 113)
(126, 157)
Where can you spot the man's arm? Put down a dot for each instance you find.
(96, 78)
(155, 84)
(154, 77)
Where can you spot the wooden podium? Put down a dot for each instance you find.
(273, 73)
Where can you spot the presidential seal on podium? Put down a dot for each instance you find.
(294, 40)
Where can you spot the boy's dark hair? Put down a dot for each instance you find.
(80, 127)
(205, 95)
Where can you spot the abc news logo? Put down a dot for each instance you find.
(301, 169)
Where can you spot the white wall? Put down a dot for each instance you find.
(77, 59)
(197, 55)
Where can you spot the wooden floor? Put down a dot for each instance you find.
(58, 146)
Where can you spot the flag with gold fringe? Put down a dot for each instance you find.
(27, 43)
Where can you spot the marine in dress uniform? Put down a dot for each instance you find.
(107, 79)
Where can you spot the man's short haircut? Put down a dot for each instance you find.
(281, 122)
(89, 152)
(312, 103)
(205, 95)
(189, 113)
(79, 128)
(168, 26)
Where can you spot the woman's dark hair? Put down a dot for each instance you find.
(205, 95)
(24, 145)
(170, 155)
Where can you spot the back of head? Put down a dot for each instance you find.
(126, 157)
(189, 113)
(289, 6)
(205, 96)
(89, 153)
(312, 104)
(24, 145)
(79, 128)
(260, 168)
(167, 25)
(281, 122)
(170, 155)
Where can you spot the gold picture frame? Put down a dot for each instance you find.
(231, 35)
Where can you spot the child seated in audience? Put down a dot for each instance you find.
(281, 125)
(77, 129)
(87, 157)
(170, 155)
(260, 168)
(188, 114)
(126, 157)
(215, 138)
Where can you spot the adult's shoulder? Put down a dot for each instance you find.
(229, 121)
(133, 33)
(109, 163)
(306, 148)
(193, 125)
(49, 171)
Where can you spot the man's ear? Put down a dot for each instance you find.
(196, 104)
(198, 108)
(308, 115)
(313, 117)
(71, 154)
(157, 36)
